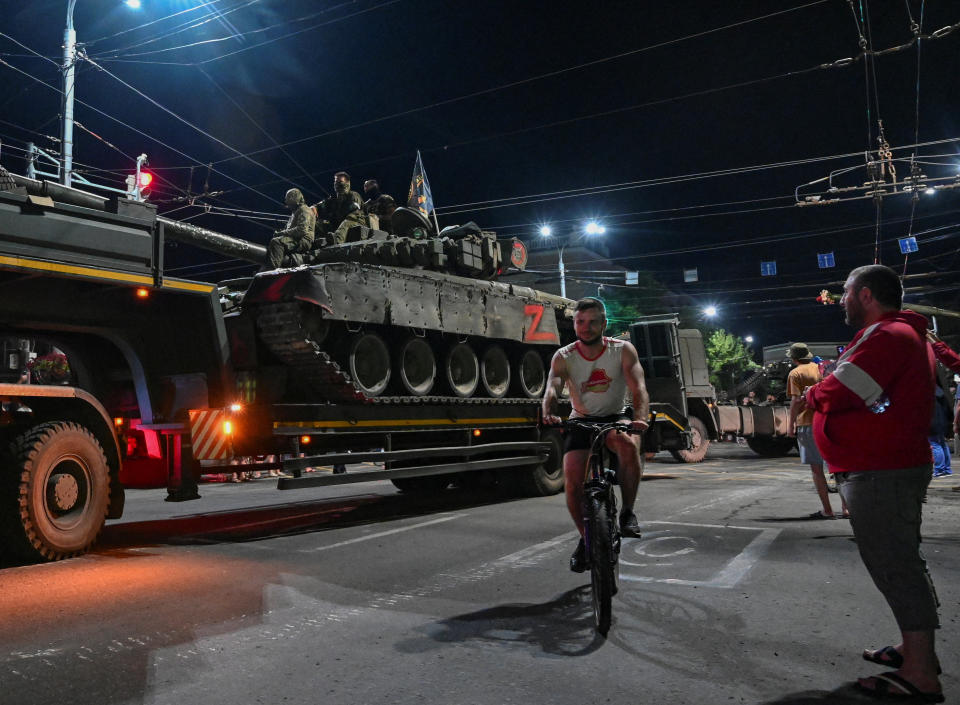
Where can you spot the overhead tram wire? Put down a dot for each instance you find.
(201, 131)
(151, 22)
(179, 29)
(916, 29)
(839, 63)
(218, 40)
(134, 129)
(531, 79)
(263, 131)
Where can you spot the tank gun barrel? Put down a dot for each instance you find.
(186, 233)
(211, 240)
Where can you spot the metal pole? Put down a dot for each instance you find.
(69, 64)
(31, 160)
(563, 276)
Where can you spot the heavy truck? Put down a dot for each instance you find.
(689, 415)
(400, 350)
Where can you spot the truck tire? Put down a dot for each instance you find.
(544, 479)
(701, 441)
(771, 447)
(55, 492)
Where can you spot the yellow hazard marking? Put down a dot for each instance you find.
(398, 422)
(660, 416)
(40, 265)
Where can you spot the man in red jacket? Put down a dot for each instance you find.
(870, 423)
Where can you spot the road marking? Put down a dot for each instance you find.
(724, 499)
(732, 572)
(380, 534)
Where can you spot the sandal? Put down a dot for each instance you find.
(820, 515)
(890, 657)
(890, 686)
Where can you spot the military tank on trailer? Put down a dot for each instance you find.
(382, 318)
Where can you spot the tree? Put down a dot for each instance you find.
(625, 304)
(728, 357)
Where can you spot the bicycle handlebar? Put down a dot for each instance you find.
(601, 426)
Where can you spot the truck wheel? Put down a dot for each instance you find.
(701, 441)
(771, 447)
(56, 492)
(544, 479)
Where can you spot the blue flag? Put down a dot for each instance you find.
(420, 197)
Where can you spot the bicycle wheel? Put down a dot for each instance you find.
(603, 560)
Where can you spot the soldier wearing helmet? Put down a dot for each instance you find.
(297, 237)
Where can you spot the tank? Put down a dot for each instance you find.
(385, 318)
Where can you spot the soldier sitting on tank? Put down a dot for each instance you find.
(341, 211)
(296, 238)
(379, 207)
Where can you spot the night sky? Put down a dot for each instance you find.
(534, 112)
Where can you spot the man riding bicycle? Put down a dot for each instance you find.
(598, 371)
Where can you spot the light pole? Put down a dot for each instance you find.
(591, 228)
(69, 70)
(69, 66)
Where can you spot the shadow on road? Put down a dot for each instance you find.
(263, 522)
(561, 627)
(844, 695)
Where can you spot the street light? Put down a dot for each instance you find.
(69, 67)
(591, 228)
(710, 311)
(749, 339)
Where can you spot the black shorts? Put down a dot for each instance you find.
(580, 438)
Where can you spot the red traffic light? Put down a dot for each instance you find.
(146, 178)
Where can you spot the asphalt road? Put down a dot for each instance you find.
(360, 594)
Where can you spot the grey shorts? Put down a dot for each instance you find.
(809, 453)
(885, 513)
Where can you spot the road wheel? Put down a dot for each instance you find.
(701, 441)
(416, 367)
(771, 447)
(529, 374)
(55, 492)
(495, 372)
(461, 370)
(368, 363)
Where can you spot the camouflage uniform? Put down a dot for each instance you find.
(340, 212)
(297, 237)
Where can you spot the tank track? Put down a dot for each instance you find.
(280, 330)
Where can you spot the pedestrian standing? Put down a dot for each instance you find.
(806, 373)
(871, 418)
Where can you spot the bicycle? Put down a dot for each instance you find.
(600, 520)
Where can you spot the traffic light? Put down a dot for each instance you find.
(136, 190)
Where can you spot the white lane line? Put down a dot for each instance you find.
(728, 498)
(382, 533)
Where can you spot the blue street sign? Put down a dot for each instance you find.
(825, 260)
(908, 245)
(768, 269)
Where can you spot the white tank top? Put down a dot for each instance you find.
(597, 386)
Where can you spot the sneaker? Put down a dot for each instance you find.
(629, 526)
(578, 561)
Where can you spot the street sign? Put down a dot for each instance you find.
(908, 245)
(690, 275)
(768, 269)
(826, 260)
(633, 278)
